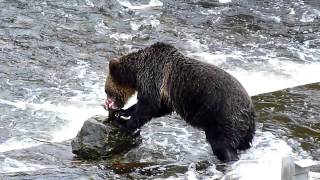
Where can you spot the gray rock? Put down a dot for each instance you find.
(99, 139)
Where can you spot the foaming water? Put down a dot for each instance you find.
(71, 113)
(80, 107)
(152, 3)
(10, 165)
(15, 143)
(75, 115)
(280, 75)
(225, 1)
(263, 160)
(136, 25)
(294, 74)
(310, 16)
(73, 110)
(176, 143)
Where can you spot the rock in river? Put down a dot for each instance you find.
(99, 139)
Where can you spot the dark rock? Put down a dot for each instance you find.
(293, 113)
(99, 139)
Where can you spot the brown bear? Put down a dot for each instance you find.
(204, 95)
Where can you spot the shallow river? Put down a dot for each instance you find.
(53, 59)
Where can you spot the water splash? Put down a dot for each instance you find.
(151, 4)
(10, 165)
(275, 74)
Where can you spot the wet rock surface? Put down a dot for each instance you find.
(293, 114)
(99, 139)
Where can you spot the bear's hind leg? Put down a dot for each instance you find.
(223, 151)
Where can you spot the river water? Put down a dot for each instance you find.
(53, 59)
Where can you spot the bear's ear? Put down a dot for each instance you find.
(120, 73)
(117, 71)
(114, 66)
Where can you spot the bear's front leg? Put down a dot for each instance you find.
(142, 113)
(121, 116)
(126, 112)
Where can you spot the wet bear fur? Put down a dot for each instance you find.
(204, 95)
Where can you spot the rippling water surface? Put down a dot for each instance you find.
(53, 59)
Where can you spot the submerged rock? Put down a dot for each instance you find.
(99, 139)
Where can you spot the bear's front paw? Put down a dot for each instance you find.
(124, 125)
(121, 113)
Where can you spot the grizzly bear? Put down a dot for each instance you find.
(204, 95)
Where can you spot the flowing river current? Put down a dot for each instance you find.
(53, 59)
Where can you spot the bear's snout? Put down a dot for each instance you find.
(110, 104)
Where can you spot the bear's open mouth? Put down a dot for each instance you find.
(110, 104)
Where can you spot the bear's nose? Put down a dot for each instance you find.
(109, 103)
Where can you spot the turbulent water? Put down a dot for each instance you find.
(53, 59)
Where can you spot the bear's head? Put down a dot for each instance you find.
(119, 86)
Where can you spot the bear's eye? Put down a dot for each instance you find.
(108, 92)
(113, 95)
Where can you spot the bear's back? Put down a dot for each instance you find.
(196, 86)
